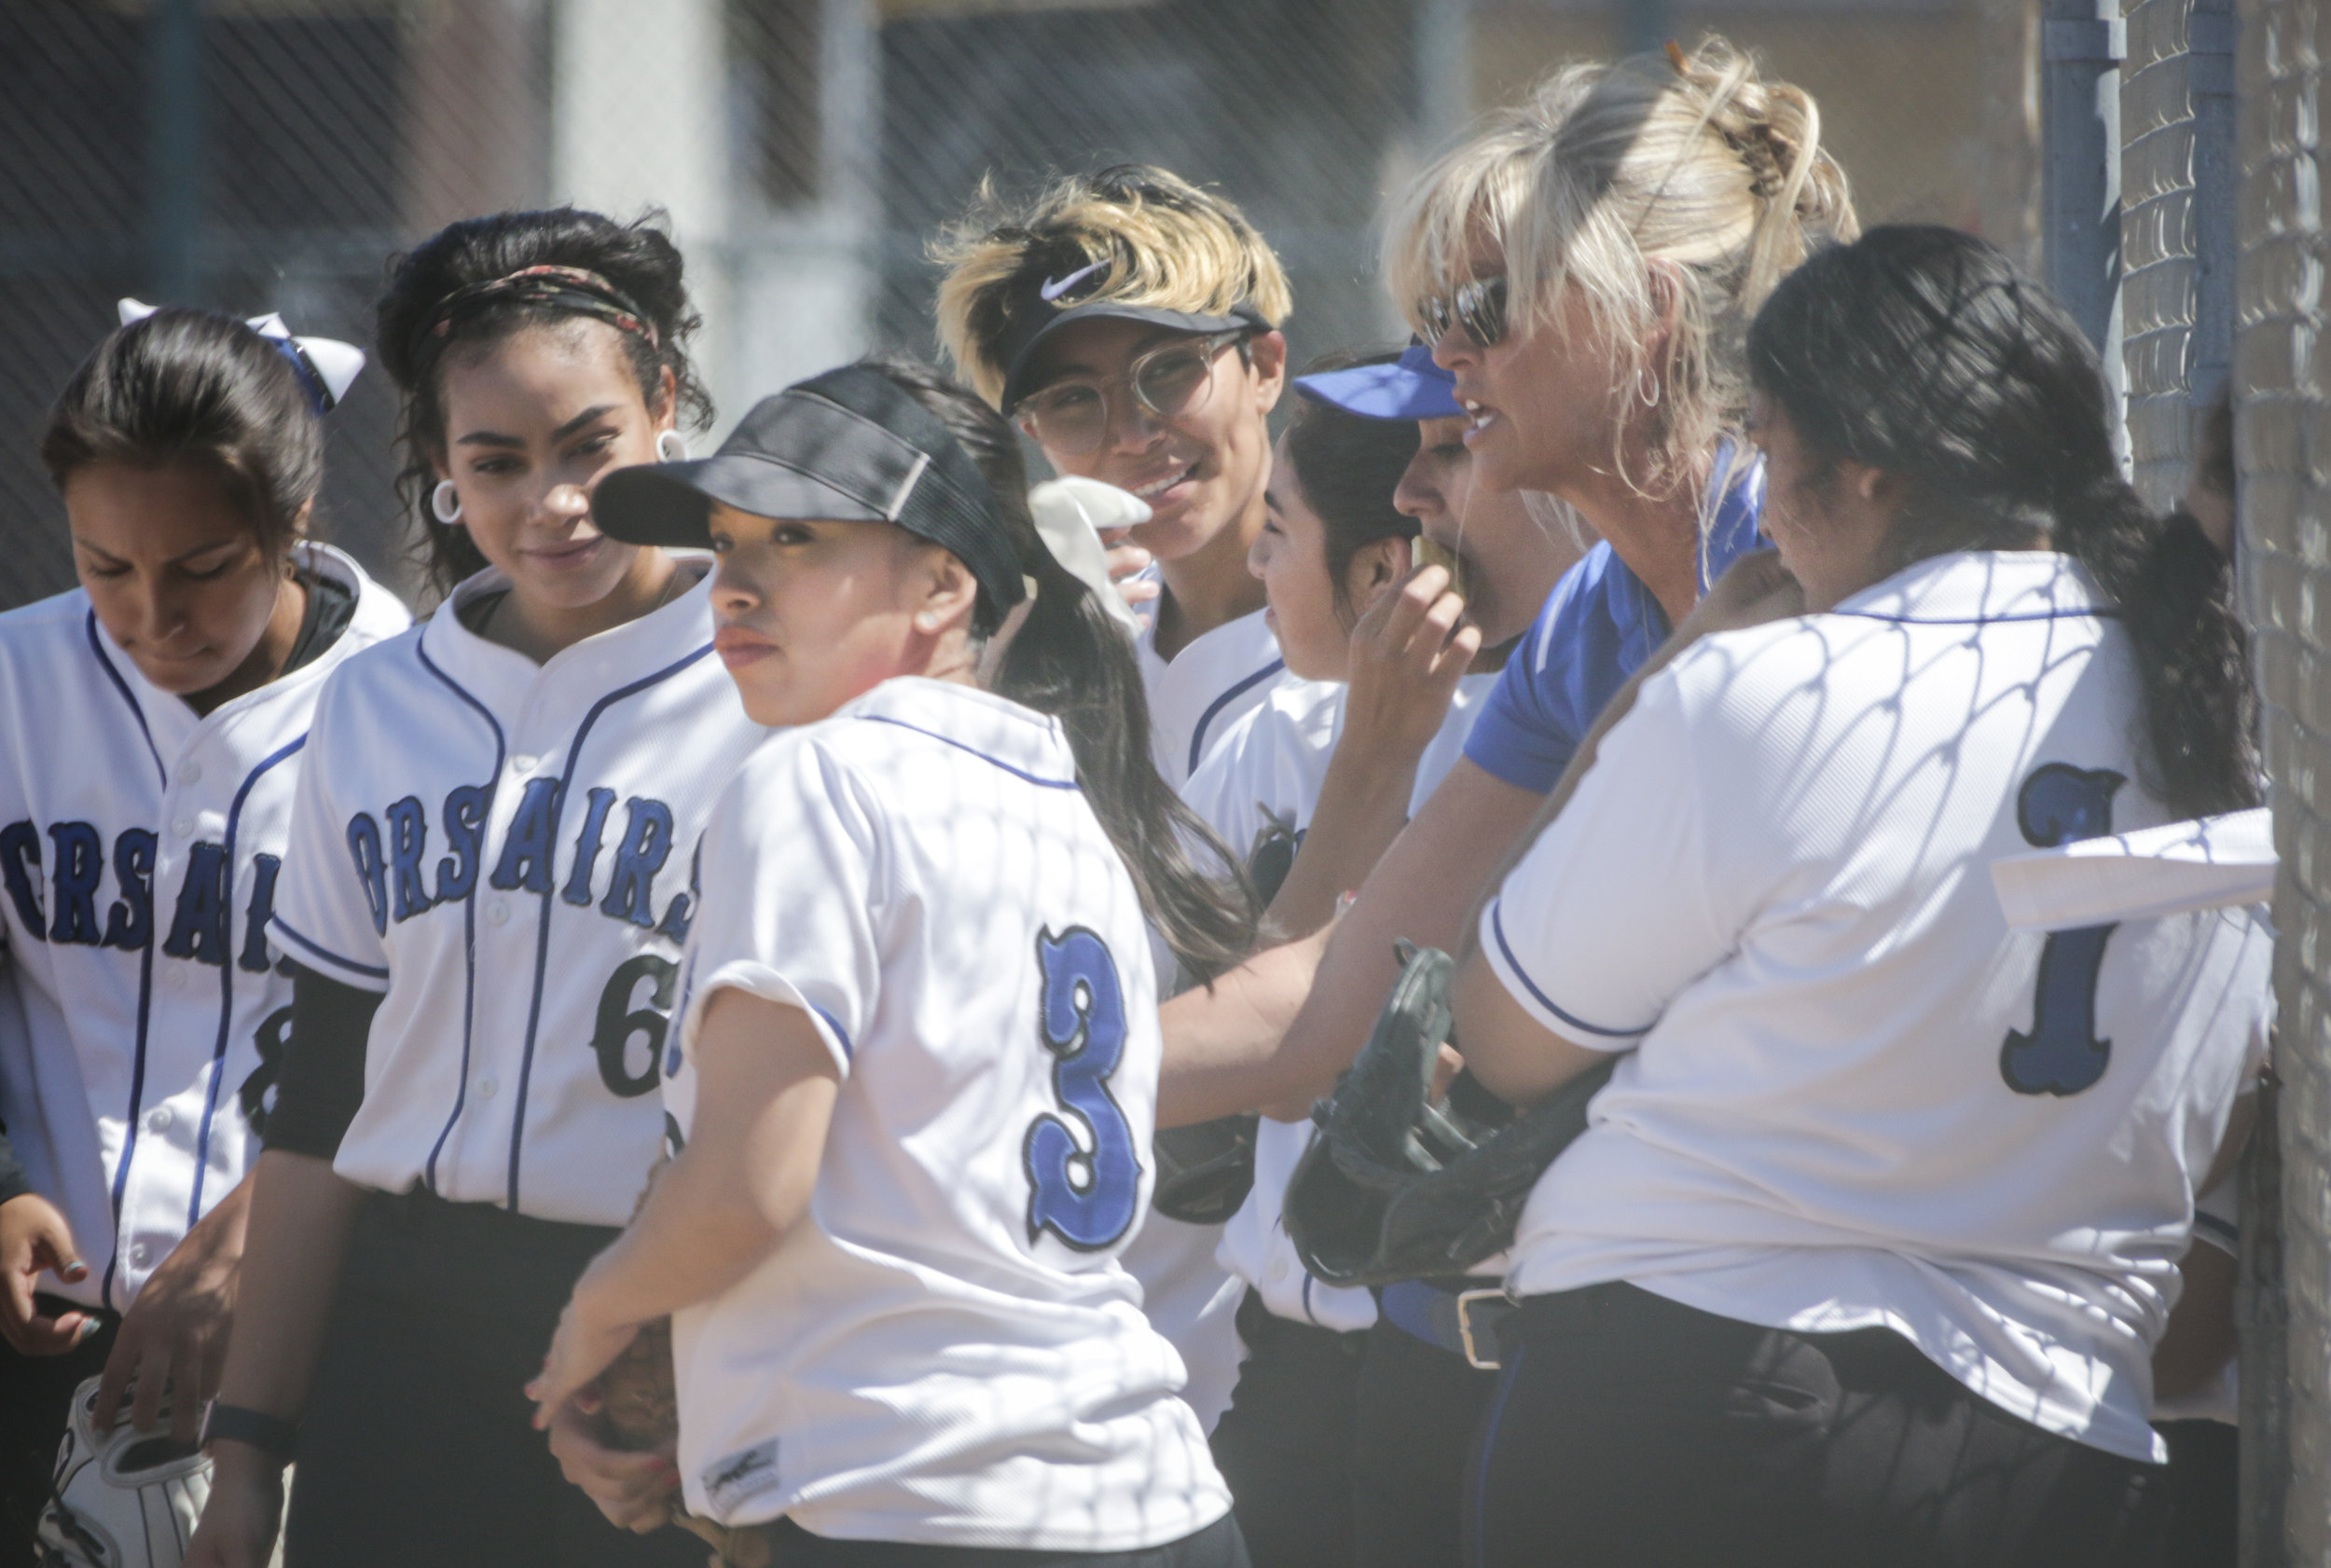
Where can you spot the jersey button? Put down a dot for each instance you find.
(159, 1121)
(189, 772)
(183, 827)
(498, 913)
(486, 1087)
(139, 1252)
(525, 763)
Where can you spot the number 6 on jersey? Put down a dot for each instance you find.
(1088, 1198)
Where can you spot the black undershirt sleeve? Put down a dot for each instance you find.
(13, 1183)
(322, 1081)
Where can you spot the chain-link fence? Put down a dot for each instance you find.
(270, 154)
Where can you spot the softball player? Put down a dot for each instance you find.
(919, 1051)
(153, 721)
(1129, 321)
(486, 891)
(1864, 1254)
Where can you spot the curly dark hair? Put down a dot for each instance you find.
(638, 258)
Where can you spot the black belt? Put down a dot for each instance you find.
(1461, 1321)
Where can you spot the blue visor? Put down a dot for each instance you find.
(1415, 388)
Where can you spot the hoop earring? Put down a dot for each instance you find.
(445, 492)
(670, 446)
(1643, 376)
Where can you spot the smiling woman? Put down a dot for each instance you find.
(487, 885)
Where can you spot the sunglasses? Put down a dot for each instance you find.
(1479, 308)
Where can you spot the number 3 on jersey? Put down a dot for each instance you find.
(1087, 1197)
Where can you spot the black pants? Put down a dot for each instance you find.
(36, 1394)
(1285, 1444)
(1218, 1545)
(1419, 1407)
(1628, 1429)
(2205, 1491)
(417, 1446)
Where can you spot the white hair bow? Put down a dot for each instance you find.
(325, 365)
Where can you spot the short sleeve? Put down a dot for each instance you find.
(331, 896)
(790, 857)
(2217, 1216)
(1607, 917)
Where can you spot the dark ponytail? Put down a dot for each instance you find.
(195, 388)
(1070, 660)
(637, 259)
(1922, 352)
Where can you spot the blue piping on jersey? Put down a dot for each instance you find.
(469, 917)
(1497, 923)
(277, 923)
(1016, 773)
(1214, 709)
(123, 687)
(2100, 613)
(227, 979)
(541, 933)
(2230, 1234)
(849, 1053)
(137, 1091)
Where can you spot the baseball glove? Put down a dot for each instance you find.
(123, 1498)
(1399, 1185)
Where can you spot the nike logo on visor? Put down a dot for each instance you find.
(1054, 288)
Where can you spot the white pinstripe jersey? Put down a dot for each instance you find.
(141, 1009)
(504, 849)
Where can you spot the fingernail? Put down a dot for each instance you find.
(75, 1269)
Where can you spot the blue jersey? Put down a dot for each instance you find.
(1598, 628)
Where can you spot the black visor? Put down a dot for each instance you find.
(851, 445)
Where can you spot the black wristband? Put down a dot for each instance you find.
(272, 1435)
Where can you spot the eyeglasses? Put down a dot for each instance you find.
(1479, 308)
(1171, 381)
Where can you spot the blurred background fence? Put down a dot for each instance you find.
(265, 155)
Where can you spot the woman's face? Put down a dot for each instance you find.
(534, 422)
(1830, 520)
(1511, 561)
(811, 614)
(1541, 403)
(172, 570)
(1312, 622)
(1199, 472)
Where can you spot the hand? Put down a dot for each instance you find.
(1756, 589)
(244, 1511)
(634, 1490)
(1126, 560)
(579, 1351)
(1407, 655)
(34, 1240)
(173, 1341)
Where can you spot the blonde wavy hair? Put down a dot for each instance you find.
(1695, 167)
(1161, 242)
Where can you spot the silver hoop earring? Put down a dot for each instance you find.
(1644, 378)
(438, 504)
(670, 446)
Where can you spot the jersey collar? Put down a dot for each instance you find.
(1974, 587)
(624, 652)
(1020, 739)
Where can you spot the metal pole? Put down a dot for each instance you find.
(2082, 43)
(1643, 25)
(173, 152)
(1444, 70)
(2217, 172)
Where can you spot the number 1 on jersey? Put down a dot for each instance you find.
(1088, 1198)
